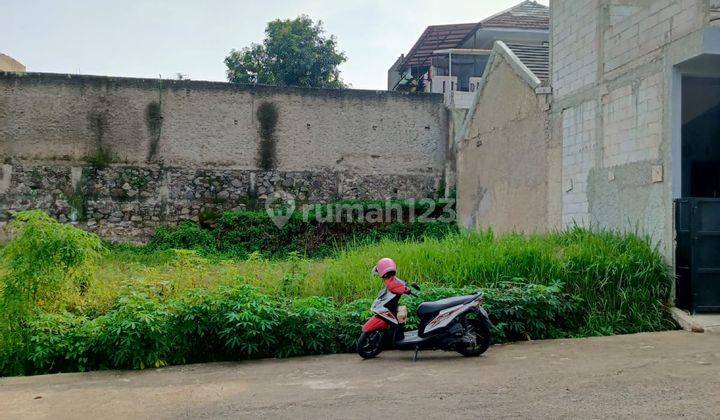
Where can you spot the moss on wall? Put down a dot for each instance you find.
(98, 125)
(267, 116)
(154, 120)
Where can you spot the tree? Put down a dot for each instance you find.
(295, 52)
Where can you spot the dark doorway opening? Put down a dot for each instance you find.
(701, 137)
(697, 213)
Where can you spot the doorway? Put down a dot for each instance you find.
(697, 212)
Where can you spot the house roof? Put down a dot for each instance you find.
(437, 37)
(535, 57)
(526, 15)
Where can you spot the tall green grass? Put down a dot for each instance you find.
(621, 278)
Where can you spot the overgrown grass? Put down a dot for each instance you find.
(573, 283)
(621, 279)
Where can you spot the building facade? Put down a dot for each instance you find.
(634, 128)
(451, 59)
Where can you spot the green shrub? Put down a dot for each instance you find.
(186, 235)
(180, 306)
(134, 333)
(234, 323)
(47, 264)
(244, 232)
(44, 260)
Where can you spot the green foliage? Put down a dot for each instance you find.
(239, 322)
(182, 306)
(241, 233)
(101, 159)
(292, 281)
(45, 260)
(47, 265)
(267, 116)
(295, 52)
(186, 235)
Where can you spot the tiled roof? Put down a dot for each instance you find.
(526, 15)
(535, 57)
(437, 37)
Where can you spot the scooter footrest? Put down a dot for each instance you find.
(411, 337)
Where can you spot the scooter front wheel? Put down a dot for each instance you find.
(370, 344)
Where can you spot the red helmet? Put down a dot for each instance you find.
(384, 266)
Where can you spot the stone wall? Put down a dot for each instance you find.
(126, 202)
(120, 156)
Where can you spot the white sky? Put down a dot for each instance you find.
(145, 38)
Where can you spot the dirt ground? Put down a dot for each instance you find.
(669, 374)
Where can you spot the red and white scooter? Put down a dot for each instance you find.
(454, 324)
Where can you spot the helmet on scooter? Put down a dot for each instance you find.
(385, 266)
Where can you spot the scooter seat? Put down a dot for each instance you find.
(427, 308)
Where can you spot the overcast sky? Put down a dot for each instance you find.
(144, 38)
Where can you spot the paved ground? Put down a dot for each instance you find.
(668, 374)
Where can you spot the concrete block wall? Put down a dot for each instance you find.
(574, 45)
(506, 159)
(612, 67)
(65, 117)
(579, 148)
(642, 29)
(633, 122)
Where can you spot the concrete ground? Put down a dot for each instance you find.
(710, 322)
(668, 374)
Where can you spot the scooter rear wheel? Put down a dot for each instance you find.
(480, 332)
(370, 344)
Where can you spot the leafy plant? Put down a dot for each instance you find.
(146, 307)
(45, 260)
(46, 265)
(240, 322)
(243, 232)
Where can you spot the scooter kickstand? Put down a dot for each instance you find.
(416, 352)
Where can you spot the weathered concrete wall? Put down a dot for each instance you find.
(612, 67)
(8, 63)
(62, 117)
(179, 149)
(505, 159)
